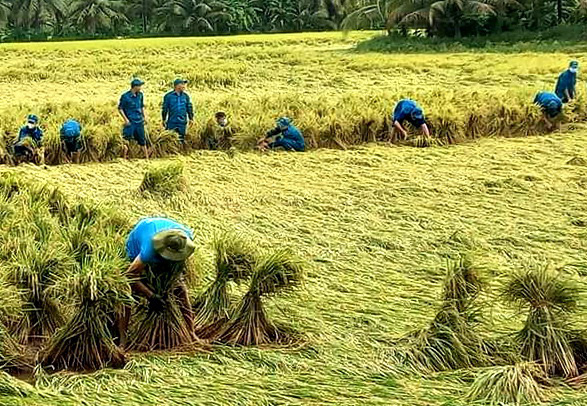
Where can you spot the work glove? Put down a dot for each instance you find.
(156, 303)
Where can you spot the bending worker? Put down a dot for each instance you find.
(177, 112)
(70, 133)
(408, 110)
(565, 85)
(158, 244)
(284, 135)
(551, 106)
(30, 141)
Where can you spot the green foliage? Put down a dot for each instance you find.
(547, 336)
(163, 179)
(518, 384)
(273, 273)
(452, 340)
(234, 258)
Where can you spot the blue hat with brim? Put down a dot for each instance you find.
(553, 108)
(136, 82)
(177, 82)
(31, 118)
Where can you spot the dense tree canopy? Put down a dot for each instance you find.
(42, 18)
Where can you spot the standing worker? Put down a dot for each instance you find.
(565, 86)
(28, 146)
(551, 106)
(158, 244)
(177, 112)
(410, 111)
(70, 133)
(285, 135)
(132, 109)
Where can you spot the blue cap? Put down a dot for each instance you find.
(179, 82)
(31, 118)
(418, 117)
(136, 82)
(283, 122)
(553, 108)
(574, 64)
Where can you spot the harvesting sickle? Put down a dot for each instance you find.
(177, 112)
(285, 135)
(132, 110)
(158, 246)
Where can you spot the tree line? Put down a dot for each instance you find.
(22, 19)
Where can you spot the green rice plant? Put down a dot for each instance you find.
(518, 384)
(549, 301)
(452, 340)
(234, 258)
(11, 386)
(33, 269)
(166, 328)
(85, 342)
(275, 273)
(163, 179)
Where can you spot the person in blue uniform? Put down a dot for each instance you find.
(158, 244)
(565, 85)
(551, 106)
(70, 134)
(410, 111)
(132, 109)
(285, 135)
(177, 111)
(28, 146)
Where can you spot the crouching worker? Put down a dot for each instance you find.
(551, 106)
(285, 135)
(28, 146)
(160, 247)
(410, 111)
(71, 132)
(218, 134)
(565, 85)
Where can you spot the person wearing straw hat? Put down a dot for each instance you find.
(218, 134)
(565, 85)
(177, 111)
(132, 110)
(164, 244)
(285, 135)
(28, 145)
(410, 111)
(551, 106)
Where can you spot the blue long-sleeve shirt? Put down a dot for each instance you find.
(566, 81)
(408, 110)
(549, 102)
(132, 105)
(177, 107)
(35, 133)
(291, 133)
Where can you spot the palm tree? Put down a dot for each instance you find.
(145, 10)
(93, 15)
(193, 16)
(433, 14)
(35, 14)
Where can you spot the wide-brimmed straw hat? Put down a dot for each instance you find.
(173, 245)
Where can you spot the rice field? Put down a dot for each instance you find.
(376, 226)
(338, 95)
